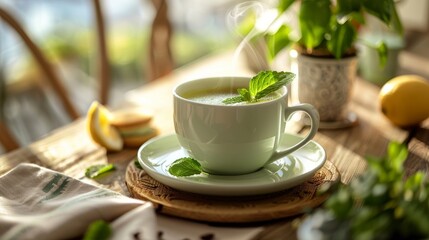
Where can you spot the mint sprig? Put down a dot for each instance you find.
(264, 83)
(382, 203)
(184, 167)
(97, 170)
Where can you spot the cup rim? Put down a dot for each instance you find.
(283, 93)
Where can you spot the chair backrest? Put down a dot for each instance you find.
(160, 56)
(7, 139)
(103, 63)
(160, 60)
(45, 66)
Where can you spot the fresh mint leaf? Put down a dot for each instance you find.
(184, 167)
(98, 230)
(233, 100)
(268, 82)
(264, 83)
(97, 170)
(245, 94)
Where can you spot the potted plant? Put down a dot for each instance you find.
(368, 61)
(326, 34)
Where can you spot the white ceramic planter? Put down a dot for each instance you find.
(327, 85)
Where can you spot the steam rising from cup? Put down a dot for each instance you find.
(263, 16)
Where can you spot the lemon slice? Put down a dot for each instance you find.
(100, 129)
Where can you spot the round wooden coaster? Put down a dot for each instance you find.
(230, 209)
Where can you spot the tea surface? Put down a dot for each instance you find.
(216, 97)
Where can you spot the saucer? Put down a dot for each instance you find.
(157, 154)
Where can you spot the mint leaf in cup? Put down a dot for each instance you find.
(184, 167)
(233, 100)
(264, 83)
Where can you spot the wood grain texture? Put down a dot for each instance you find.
(418, 148)
(230, 209)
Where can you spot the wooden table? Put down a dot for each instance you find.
(70, 149)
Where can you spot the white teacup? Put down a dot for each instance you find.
(234, 139)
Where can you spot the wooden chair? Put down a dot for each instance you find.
(160, 61)
(6, 138)
(160, 57)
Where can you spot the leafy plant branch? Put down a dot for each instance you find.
(379, 204)
(332, 26)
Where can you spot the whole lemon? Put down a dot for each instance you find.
(404, 100)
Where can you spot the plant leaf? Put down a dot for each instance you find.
(97, 170)
(376, 165)
(397, 154)
(233, 100)
(259, 82)
(379, 204)
(184, 167)
(314, 23)
(382, 52)
(278, 41)
(341, 203)
(268, 82)
(350, 10)
(284, 5)
(264, 83)
(415, 181)
(245, 94)
(357, 18)
(382, 9)
(346, 7)
(342, 39)
(395, 21)
(98, 230)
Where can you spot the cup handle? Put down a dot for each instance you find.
(314, 119)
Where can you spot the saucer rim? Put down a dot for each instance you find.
(230, 189)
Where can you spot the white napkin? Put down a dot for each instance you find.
(38, 203)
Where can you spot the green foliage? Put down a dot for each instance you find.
(332, 25)
(314, 24)
(382, 9)
(285, 4)
(380, 204)
(342, 38)
(264, 83)
(279, 40)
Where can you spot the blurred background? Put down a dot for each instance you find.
(64, 30)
